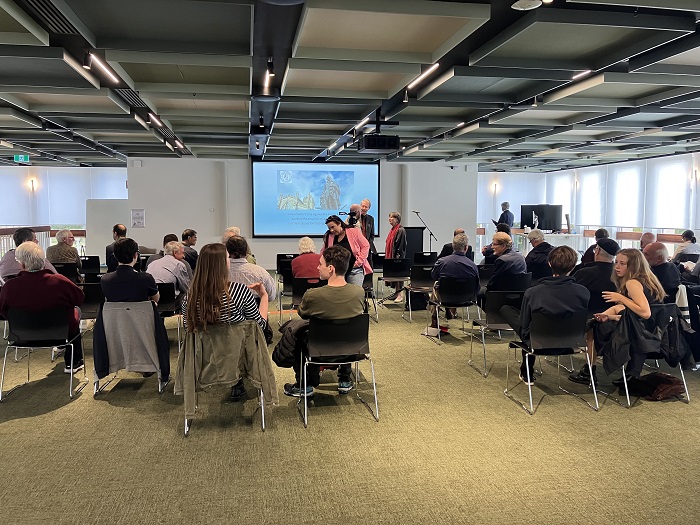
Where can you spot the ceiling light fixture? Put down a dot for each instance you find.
(141, 121)
(5, 144)
(270, 67)
(261, 119)
(526, 5)
(257, 144)
(422, 76)
(362, 122)
(87, 60)
(405, 96)
(534, 102)
(332, 146)
(179, 144)
(152, 119)
(104, 68)
(581, 74)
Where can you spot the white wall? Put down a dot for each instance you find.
(209, 195)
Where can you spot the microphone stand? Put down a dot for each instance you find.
(431, 236)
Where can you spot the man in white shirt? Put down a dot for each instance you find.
(241, 271)
(171, 268)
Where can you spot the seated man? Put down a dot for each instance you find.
(171, 269)
(458, 266)
(171, 237)
(447, 248)
(189, 239)
(63, 251)
(536, 259)
(306, 263)
(241, 271)
(487, 251)
(126, 284)
(118, 232)
(667, 273)
(235, 230)
(9, 267)
(337, 300)
(35, 289)
(556, 295)
(596, 277)
(588, 257)
(646, 238)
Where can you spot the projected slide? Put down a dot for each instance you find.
(294, 199)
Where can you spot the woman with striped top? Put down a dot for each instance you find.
(213, 299)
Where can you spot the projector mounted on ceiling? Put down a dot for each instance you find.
(381, 144)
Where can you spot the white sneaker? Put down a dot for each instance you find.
(432, 332)
(399, 298)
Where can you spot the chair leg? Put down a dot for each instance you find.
(624, 380)
(4, 362)
(529, 388)
(70, 387)
(262, 409)
(306, 401)
(687, 394)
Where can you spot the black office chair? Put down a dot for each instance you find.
(167, 307)
(90, 266)
(421, 281)
(395, 270)
(368, 286)
(378, 262)
(494, 321)
(284, 280)
(515, 282)
(94, 298)
(453, 293)
(336, 342)
(688, 257)
(143, 259)
(69, 271)
(424, 258)
(485, 272)
(554, 335)
(34, 330)
(299, 287)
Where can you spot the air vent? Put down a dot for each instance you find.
(167, 133)
(51, 18)
(131, 97)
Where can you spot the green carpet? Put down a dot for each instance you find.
(449, 448)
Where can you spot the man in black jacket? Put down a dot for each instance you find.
(556, 295)
(536, 259)
(448, 250)
(667, 273)
(597, 276)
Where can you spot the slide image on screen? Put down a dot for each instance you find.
(295, 199)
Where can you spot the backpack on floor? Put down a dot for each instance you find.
(657, 386)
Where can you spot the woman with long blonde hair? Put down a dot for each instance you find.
(213, 299)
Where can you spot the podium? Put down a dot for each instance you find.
(414, 240)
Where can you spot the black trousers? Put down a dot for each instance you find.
(313, 372)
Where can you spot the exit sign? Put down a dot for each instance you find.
(21, 158)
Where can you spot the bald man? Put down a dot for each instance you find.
(656, 255)
(646, 239)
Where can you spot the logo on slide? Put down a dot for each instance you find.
(285, 177)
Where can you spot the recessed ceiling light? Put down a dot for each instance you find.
(526, 5)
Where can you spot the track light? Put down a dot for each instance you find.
(534, 102)
(405, 96)
(87, 60)
(270, 67)
(422, 76)
(152, 119)
(179, 144)
(257, 144)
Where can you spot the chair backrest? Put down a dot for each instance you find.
(368, 282)
(68, 270)
(44, 325)
(94, 297)
(421, 276)
(166, 303)
(90, 263)
(457, 292)
(335, 337)
(514, 282)
(378, 262)
(558, 331)
(424, 258)
(688, 257)
(495, 300)
(301, 284)
(284, 269)
(143, 259)
(130, 335)
(284, 257)
(395, 268)
(485, 272)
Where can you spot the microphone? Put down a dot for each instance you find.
(415, 211)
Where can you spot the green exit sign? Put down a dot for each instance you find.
(21, 158)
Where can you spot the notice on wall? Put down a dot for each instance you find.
(138, 218)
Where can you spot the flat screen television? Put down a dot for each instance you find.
(293, 199)
(548, 216)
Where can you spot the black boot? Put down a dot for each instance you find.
(583, 376)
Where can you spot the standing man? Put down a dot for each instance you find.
(506, 217)
(118, 232)
(367, 224)
(189, 239)
(336, 300)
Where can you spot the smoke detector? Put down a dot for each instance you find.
(526, 5)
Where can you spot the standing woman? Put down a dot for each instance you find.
(395, 247)
(213, 299)
(689, 246)
(353, 241)
(637, 288)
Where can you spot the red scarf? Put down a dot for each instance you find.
(389, 248)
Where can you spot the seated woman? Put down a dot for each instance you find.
(350, 238)
(213, 299)
(689, 246)
(36, 289)
(306, 263)
(637, 288)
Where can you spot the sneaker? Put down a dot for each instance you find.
(431, 331)
(237, 392)
(523, 378)
(583, 376)
(345, 386)
(76, 368)
(294, 390)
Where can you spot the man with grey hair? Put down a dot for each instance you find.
(367, 225)
(646, 238)
(354, 214)
(458, 266)
(171, 269)
(235, 231)
(536, 259)
(37, 289)
(63, 251)
(667, 273)
(448, 250)
(9, 266)
(506, 217)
